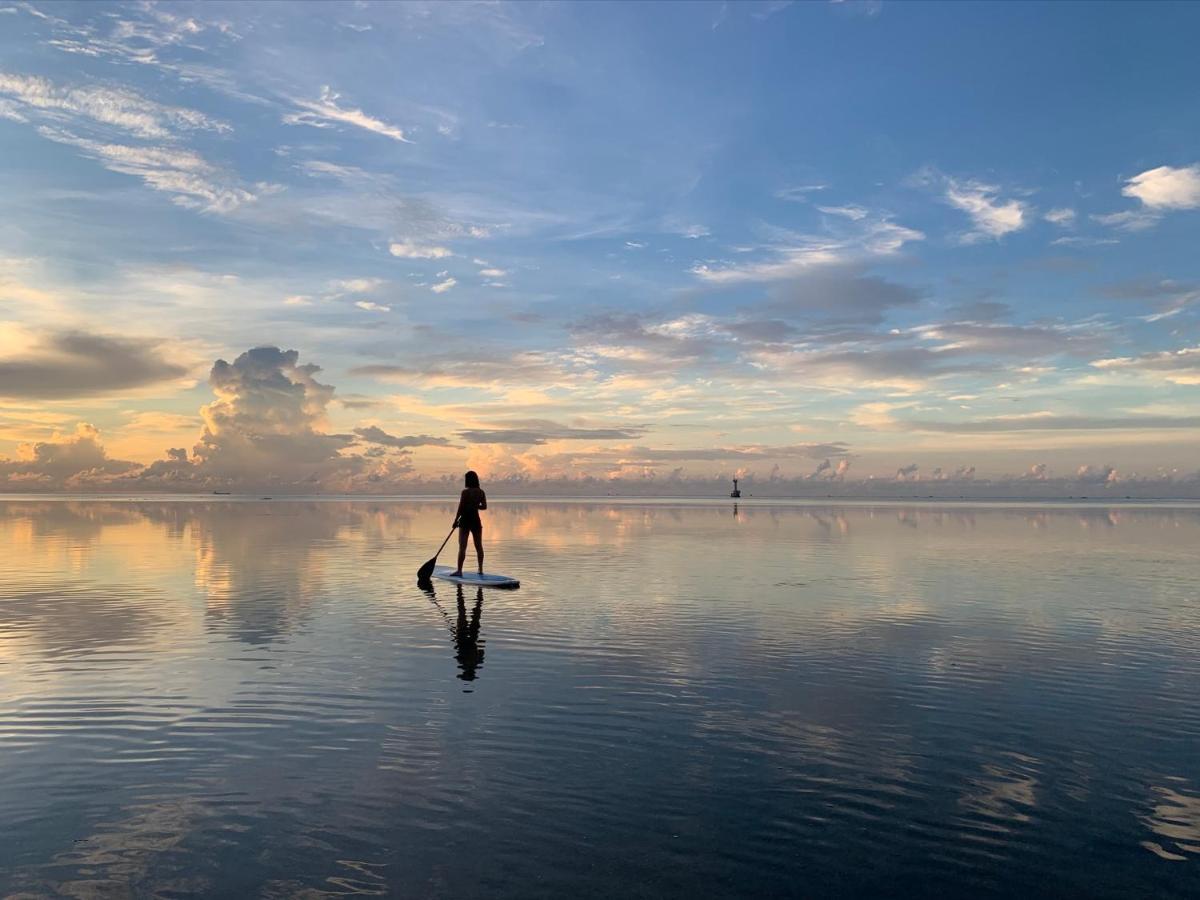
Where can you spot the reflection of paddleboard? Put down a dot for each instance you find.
(474, 578)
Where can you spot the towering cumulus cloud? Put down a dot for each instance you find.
(265, 423)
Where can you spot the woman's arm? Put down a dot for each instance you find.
(482, 500)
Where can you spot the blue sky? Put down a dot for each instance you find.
(635, 241)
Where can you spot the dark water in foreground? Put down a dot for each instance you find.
(253, 699)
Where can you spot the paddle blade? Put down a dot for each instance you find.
(426, 571)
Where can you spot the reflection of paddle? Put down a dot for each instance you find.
(426, 570)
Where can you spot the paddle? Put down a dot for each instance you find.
(426, 570)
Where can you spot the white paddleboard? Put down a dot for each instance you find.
(474, 578)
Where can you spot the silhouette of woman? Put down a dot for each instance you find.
(472, 501)
(469, 653)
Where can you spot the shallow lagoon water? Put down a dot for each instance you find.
(244, 699)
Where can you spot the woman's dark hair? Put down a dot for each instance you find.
(472, 480)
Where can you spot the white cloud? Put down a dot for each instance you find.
(191, 180)
(324, 112)
(297, 300)
(993, 218)
(8, 110)
(1075, 241)
(409, 250)
(1177, 367)
(372, 307)
(442, 286)
(850, 211)
(799, 193)
(493, 273)
(357, 285)
(1063, 217)
(1166, 187)
(118, 108)
(1129, 220)
(805, 252)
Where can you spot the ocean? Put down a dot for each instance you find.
(241, 698)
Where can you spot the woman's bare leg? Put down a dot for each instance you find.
(462, 550)
(478, 535)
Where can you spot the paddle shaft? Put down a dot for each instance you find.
(447, 540)
(426, 570)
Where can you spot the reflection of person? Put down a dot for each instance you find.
(467, 518)
(466, 636)
(464, 631)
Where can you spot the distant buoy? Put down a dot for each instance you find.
(735, 493)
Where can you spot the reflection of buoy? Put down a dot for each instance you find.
(735, 493)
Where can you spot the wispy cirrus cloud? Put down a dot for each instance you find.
(794, 254)
(118, 108)
(189, 179)
(325, 112)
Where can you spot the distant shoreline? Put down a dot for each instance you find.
(627, 499)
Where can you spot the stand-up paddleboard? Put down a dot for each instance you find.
(475, 579)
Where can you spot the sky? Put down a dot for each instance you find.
(822, 247)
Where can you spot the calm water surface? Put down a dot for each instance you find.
(254, 699)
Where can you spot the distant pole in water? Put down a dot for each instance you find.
(735, 493)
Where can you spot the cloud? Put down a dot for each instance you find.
(77, 364)
(799, 193)
(1160, 190)
(62, 461)
(993, 218)
(191, 180)
(266, 418)
(797, 255)
(842, 294)
(479, 369)
(1025, 341)
(636, 342)
(1130, 220)
(852, 212)
(374, 435)
(372, 307)
(1176, 366)
(357, 285)
(539, 432)
(1044, 421)
(111, 107)
(865, 365)
(1063, 217)
(409, 250)
(493, 273)
(1166, 187)
(325, 112)
(1089, 474)
(1172, 297)
(442, 286)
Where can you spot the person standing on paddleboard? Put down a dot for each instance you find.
(467, 518)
